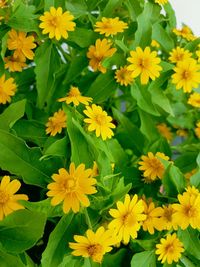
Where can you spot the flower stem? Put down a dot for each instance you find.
(87, 218)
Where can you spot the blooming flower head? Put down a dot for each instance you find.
(197, 129)
(14, 64)
(152, 167)
(124, 76)
(21, 44)
(187, 211)
(179, 54)
(110, 26)
(127, 218)
(56, 23)
(187, 75)
(166, 219)
(94, 245)
(7, 89)
(98, 52)
(99, 121)
(165, 131)
(161, 2)
(155, 44)
(169, 249)
(194, 100)
(186, 33)
(56, 123)
(144, 63)
(72, 187)
(153, 215)
(74, 96)
(8, 198)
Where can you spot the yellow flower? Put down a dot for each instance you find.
(7, 89)
(151, 166)
(110, 26)
(3, 3)
(56, 123)
(72, 187)
(186, 33)
(165, 131)
(182, 133)
(22, 44)
(187, 210)
(194, 100)
(155, 44)
(192, 190)
(127, 218)
(124, 76)
(198, 55)
(99, 121)
(179, 54)
(94, 245)
(197, 129)
(169, 249)
(166, 220)
(74, 96)
(56, 23)
(144, 63)
(98, 52)
(14, 64)
(8, 198)
(153, 215)
(187, 75)
(161, 2)
(192, 172)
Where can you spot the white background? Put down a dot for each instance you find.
(188, 11)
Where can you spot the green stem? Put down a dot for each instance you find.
(87, 218)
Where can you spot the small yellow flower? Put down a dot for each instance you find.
(99, 121)
(3, 3)
(155, 44)
(56, 23)
(165, 131)
(56, 123)
(144, 63)
(166, 220)
(94, 245)
(187, 75)
(194, 100)
(98, 52)
(124, 76)
(153, 215)
(179, 54)
(74, 96)
(127, 218)
(192, 172)
(161, 2)
(8, 198)
(169, 249)
(14, 64)
(197, 129)
(110, 26)
(182, 132)
(21, 44)
(72, 187)
(186, 33)
(7, 89)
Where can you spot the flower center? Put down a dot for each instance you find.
(95, 251)
(190, 211)
(4, 197)
(74, 93)
(100, 119)
(169, 248)
(54, 22)
(186, 75)
(69, 185)
(143, 63)
(168, 214)
(179, 57)
(128, 219)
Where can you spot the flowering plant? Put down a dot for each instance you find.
(99, 135)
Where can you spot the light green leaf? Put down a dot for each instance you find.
(58, 148)
(162, 37)
(144, 259)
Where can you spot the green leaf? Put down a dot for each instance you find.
(77, 7)
(21, 230)
(170, 14)
(58, 148)
(115, 260)
(162, 37)
(48, 4)
(82, 37)
(110, 7)
(17, 158)
(9, 260)
(12, 114)
(72, 262)
(134, 8)
(144, 259)
(186, 161)
(187, 262)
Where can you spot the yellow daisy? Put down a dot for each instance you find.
(187, 75)
(99, 52)
(186, 33)
(7, 89)
(155, 44)
(94, 245)
(161, 2)
(144, 63)
(197, 129)
(21, 44)
(169, 249)
(99, 121)
(72, 187)
(124, 76)
(166, 220)
(74, 96)
(165, 131)
(194, 100)
(56, 123)
(14, 64)
(110, 26)
(179, 54)
(127, 218)
(56, 23)
(8, 198)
